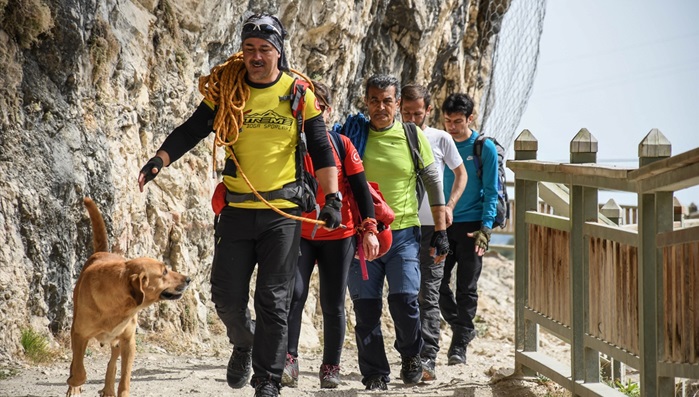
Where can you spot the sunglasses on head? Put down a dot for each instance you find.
(261, 26)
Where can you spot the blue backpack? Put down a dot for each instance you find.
(503, 209)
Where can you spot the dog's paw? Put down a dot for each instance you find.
(73, 391)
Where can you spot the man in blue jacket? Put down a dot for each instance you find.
(469, 234)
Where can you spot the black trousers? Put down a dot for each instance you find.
(459, 309)
(333, 258)
(431, 275)
(246, 238)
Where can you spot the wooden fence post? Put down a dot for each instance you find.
(612, 211)
(655, 216)
(526, 199)
(583, 208)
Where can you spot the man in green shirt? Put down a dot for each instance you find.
(388, 161)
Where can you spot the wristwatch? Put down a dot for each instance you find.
(333, 196)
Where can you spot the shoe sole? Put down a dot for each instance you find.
(329, 385)
(414, 381)
(428, 377)
(239, 384)
(288, 381)
(455, 360)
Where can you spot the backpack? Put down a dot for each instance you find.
(414, 144)
(502, 214)
(306, 181)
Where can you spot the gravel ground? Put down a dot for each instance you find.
(164, 367)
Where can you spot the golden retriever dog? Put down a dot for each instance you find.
(107, 298)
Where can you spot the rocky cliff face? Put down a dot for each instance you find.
(89, 90)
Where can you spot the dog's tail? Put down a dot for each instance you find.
(99, 230)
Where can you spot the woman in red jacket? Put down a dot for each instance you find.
(333, 250)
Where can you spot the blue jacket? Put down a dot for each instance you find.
(479, 201)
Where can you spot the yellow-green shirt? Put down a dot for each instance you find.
(266, 145)
(387, 161)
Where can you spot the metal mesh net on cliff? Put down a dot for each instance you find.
(513, 33)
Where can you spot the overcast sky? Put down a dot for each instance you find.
(618, 68)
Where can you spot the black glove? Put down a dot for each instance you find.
(330, 213)
(482, 237)
(440, 242)
(147, 170)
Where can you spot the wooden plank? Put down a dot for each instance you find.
(593, 169)
(635, 322)
(547, 366)
(534, 262)
(554, 276)
(677, 306)
(669, 287)
(616, 352)
(565, 267)
(614, 233)
(667, 308)
(693, 263)
(631, 306)
(594, 287)
(680, 236)
(620, 287)
(596, 390)
(531, 165)
(558, 329)
(674, 370)
(531, 262)
(612, 313)
(563, 262)
(552, 221)
(670, 181)
(686, 324)
(599, 182)
(602, 328)
(666, 165)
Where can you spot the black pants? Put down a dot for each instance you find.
(460, 310)
(334, 258)
(246, 238)
(430, 281)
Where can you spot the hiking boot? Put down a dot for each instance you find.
(428, 371)
(376, 383)
(329, 375)
(411, 370)
(290, 376)
(239, 368)
(457, 354)
(267, 388)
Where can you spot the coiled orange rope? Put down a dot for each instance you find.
(225, 86)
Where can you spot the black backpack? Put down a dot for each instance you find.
(503, 209)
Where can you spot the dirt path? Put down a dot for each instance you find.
(158, 372)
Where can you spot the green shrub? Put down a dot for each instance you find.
(36, 346)
(631, 389)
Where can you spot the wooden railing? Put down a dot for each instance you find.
(628, 293)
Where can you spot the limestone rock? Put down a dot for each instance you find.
(89, 95)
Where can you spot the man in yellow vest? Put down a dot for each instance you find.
(248, 232)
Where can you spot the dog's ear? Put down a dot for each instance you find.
(138, 282)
